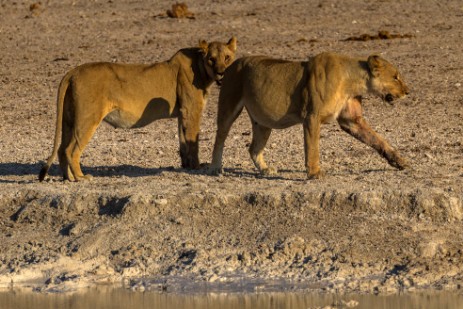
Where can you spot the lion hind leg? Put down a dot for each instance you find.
(64, 165)
(66, 139)
(260, 136)
(79, 140)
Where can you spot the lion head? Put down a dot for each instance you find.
(217, 57)
(385, 80)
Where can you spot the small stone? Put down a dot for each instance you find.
(160, 201)
(213, 278)
(350, 304)
(429, 156)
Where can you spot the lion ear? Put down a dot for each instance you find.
(203, 46)
(375, 63)
(232, 44)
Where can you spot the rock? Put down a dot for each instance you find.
(161, 201)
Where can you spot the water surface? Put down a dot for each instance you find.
(114, 298)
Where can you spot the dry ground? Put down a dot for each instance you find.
(364, 227)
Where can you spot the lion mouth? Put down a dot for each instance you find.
(389, 99)
(218, 79)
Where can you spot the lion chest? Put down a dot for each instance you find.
(332, 107)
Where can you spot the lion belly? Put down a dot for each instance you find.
(272, 92)
(120, 119)
(269, 114)
(139, 115)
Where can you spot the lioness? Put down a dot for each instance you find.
(278, 94)
(133, 96)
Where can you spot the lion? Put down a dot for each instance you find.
(278, 94)
(133, 96)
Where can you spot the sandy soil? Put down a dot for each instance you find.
(144, 221)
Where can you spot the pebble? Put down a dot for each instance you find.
(213, 278)
(161, 201)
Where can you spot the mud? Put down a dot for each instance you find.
(382, 35)
(364, 227)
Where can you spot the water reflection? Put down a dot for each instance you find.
(114, 298)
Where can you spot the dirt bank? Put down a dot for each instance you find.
(363, 227)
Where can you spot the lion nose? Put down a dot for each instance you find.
(389, 97)
(406, 91)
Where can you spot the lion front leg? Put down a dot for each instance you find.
(352, 122)
(360, 129)
(312, 147)
(189, 145)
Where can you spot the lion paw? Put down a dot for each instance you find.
(399, 163)
(269, 171)
(84, 178)
(403, 164)
(214, 171)
(316, 175)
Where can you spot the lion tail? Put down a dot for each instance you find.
(59, 124)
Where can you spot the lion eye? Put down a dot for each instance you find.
(227, 58)
(212, 61)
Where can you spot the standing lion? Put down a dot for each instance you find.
(278, 94)
(133, 96)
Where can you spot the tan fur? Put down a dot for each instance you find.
(132, 96)
(278, 94)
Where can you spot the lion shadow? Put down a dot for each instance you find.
(27, 169)
(18, 169)
(127, 170)
(238, 173)
(133, 171)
